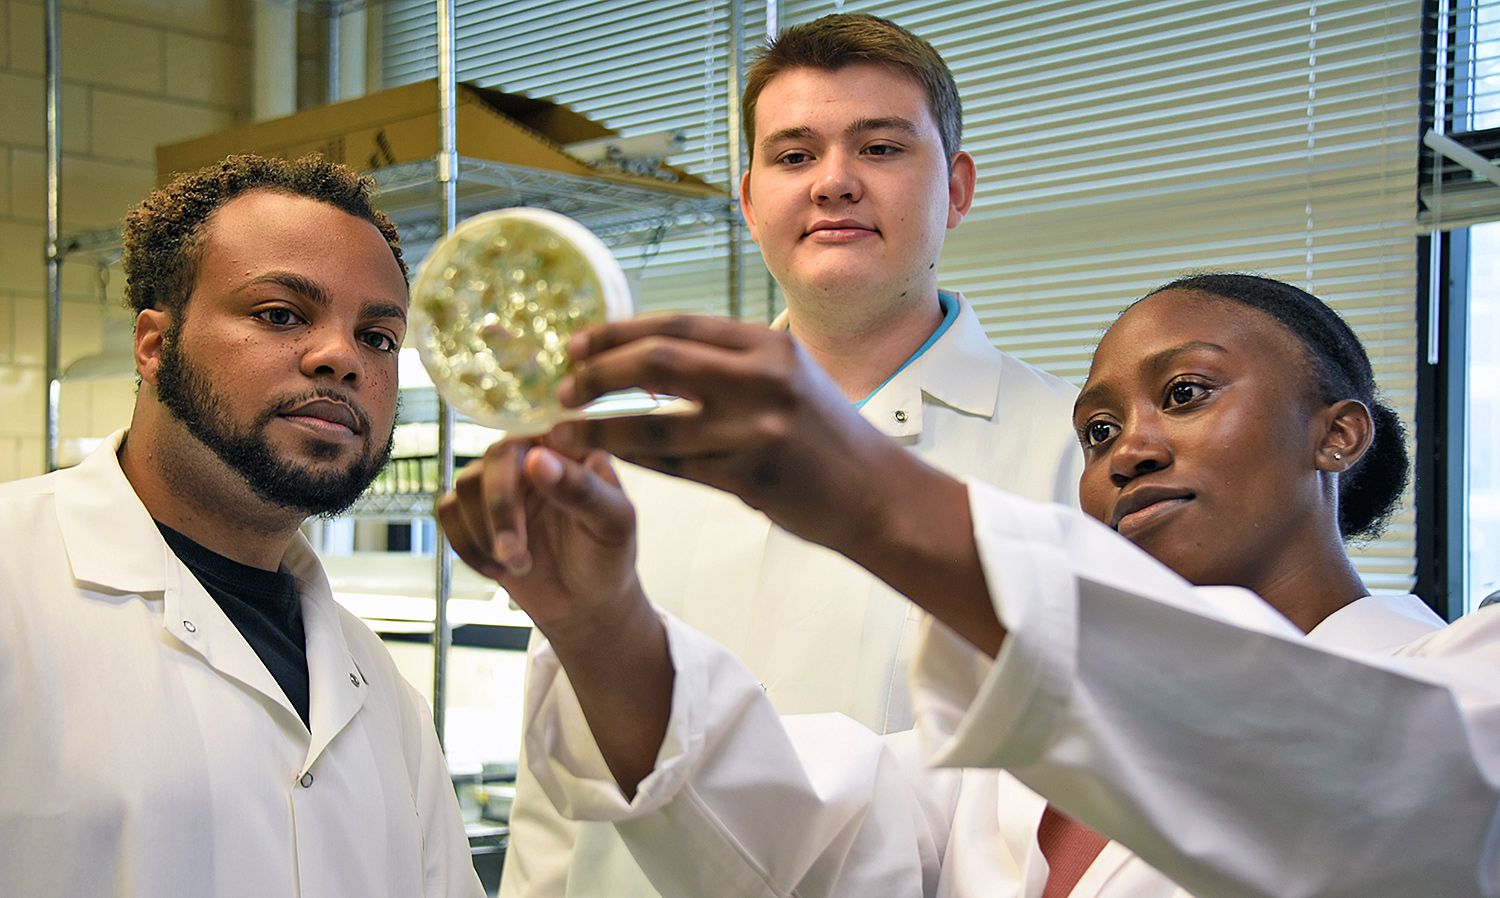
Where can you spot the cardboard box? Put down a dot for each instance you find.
(401, 125)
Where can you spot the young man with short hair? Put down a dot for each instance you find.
(187, 711)
(855, 177)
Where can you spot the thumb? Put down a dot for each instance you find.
(588, 492)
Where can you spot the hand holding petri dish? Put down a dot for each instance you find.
(494, 305)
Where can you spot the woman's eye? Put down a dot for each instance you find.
(1097, 433)
(1184, 392)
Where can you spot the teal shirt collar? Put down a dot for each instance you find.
(949, 305)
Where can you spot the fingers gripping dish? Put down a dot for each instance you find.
(494, 305)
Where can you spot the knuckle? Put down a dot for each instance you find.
(660, 359)
(574, 487)
(773, 429)
(498, 508)
(778, 386)
(681, 326)
(585, 379)
(594, 337)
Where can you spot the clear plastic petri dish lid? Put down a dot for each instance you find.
(493, 307)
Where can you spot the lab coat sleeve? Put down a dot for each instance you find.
(743, 803)
(448, 866)
(1195, 726)
(542, 841)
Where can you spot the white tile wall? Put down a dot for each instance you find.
(136, 73)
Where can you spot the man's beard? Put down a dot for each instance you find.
(189, 395)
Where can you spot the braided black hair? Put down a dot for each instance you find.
(1371, 488)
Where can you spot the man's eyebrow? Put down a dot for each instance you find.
(858, 126)
(310, 289)
(1154, 361)
(883, 123)
(383, 310)
(302, 286)
(798, 132)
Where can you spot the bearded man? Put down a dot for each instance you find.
(186, 711)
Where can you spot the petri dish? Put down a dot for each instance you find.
(493, 307)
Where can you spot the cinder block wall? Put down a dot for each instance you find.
(136, 73)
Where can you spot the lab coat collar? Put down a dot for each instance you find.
(1377, 623)
(111, 540)
(949, 367)
(112, 543)
(948, 372)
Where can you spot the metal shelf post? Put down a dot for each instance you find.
(447, 165)
(50, 429)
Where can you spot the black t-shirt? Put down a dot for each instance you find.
(262, 605)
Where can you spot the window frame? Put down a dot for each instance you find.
(1444, 263)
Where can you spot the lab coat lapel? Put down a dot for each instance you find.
(1103, 871)
(896, 408)
(946, 373)
(113, 544)
(337, 686)
(949, 367)
(1019, 815)
(194, 619)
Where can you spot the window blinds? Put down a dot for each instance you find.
(1119, 143)
(634, 67)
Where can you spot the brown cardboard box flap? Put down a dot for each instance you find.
(401, 125)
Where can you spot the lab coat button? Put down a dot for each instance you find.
(306, 781)
(188, 626)
(353, 680)
(900, 416)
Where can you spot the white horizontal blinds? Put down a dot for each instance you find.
(1455, 191)
(1120, 144)
(634, 67)
(408, 41)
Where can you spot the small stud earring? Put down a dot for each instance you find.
(1338, 456)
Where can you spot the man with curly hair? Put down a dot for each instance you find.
(187, 711)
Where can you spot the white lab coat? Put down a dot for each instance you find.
(145, 750)
(1197, 726)
(818, 632)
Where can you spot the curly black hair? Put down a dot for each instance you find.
(164, 234)
(1370, 489)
